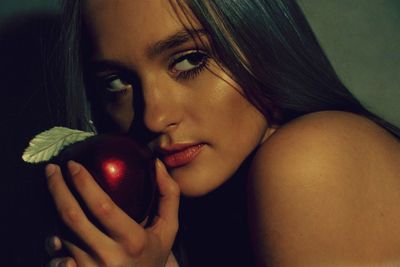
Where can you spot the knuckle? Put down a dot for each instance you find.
(135, 245)
(174, 189)
(134, 250)
(172, 227)
(104, 208)
(175, 227)
(71, 216)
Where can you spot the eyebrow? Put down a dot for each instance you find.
(153, 50)
(174, 40)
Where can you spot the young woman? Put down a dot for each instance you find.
(265, 158)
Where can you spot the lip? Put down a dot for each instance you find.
(178, 155)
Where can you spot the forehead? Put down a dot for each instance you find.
(115, 23)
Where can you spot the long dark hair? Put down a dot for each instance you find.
(270, 49)
(67, 69)
(268, 46)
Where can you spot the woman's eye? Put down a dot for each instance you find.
(116, 84)
(113, 88)
(188, 64)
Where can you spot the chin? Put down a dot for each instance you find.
(193, 183)
(191, 191)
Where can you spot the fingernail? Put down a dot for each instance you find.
(160, 165)
(73, 167)
(53, 244)
(50, 169)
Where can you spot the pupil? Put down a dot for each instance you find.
(195, 59)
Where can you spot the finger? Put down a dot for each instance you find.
(80, 257)
(72, 214)
(116, 222)
(53, 245)
(62, 262)
(169, 204)
(171, 262)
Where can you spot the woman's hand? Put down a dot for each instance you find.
(54, 245)
(125, 242)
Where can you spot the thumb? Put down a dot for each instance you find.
(168, 203)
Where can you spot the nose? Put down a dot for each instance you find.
(162, 108)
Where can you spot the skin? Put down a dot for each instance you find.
(325, 192)
(178, 111)
(293, 193)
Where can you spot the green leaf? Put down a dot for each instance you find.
(49, 143)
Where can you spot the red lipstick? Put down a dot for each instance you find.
(179, 155)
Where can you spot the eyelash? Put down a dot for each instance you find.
(113, 95)
(194, 72)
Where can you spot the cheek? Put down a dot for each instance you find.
(232, 124)
(213, 96)
(218, 114)
(121, 112)
(228, 113)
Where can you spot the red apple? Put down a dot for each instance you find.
(122, 167)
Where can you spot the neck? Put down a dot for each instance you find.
(209, 222)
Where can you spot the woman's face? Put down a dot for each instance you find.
(205, 127)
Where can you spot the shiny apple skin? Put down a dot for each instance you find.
(122, 167)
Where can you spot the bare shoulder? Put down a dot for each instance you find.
(322, 137)
(324, 190)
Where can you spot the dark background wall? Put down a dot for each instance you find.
(28, 29)
(362, 40)
(361, 37)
